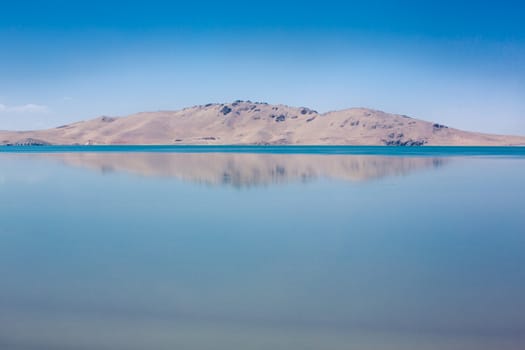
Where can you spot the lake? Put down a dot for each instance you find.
(262, 248)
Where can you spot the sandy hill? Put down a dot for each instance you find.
(245, 122)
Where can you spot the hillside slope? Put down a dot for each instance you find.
(258, 123)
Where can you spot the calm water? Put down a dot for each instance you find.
(261, 248)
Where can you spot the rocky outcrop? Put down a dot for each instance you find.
(29, 142)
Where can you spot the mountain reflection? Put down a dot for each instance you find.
(248, 170)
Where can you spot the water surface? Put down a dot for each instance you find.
(163, 249)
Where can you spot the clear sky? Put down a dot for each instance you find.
(461, 63)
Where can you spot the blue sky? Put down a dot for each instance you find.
(458, 63)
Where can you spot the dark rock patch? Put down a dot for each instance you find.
(310, 119)
(280, 118)
(225, 110)
(31, 142)
(439, 126)
(305, 110)
(401, 142)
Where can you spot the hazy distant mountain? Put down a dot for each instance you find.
(258, 123)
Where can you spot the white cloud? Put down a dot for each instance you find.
(27, 108)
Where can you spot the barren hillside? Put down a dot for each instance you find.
(257, 123)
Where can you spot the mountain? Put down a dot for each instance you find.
(245, 122)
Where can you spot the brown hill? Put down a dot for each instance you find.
(258, 123)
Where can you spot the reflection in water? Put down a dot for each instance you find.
(246, 170)
(429, 261)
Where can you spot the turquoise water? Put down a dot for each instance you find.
(288, 149)
(262, 248)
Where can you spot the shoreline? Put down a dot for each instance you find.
(277, 149)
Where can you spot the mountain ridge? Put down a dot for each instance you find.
(259, 123)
